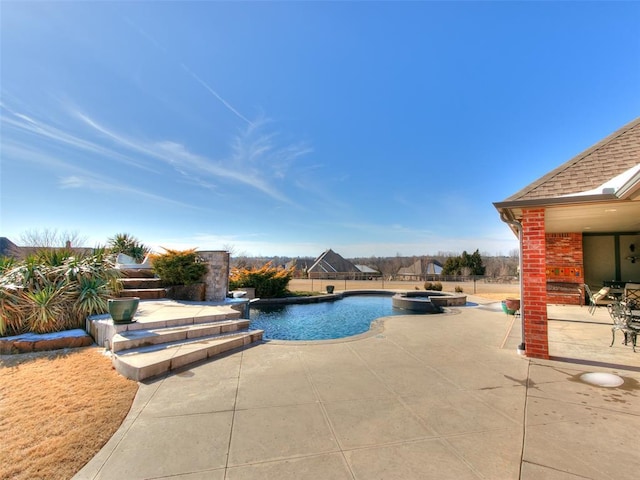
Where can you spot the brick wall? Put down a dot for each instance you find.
(217, 277)
(564, 266)
(534, 291)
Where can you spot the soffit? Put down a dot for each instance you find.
(591, 218)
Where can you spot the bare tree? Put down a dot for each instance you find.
(51, 238)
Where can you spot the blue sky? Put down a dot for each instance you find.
(269, 128)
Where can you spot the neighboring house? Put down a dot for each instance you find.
(10, 249)
(368, 273)
(330, 265)
(422, 269)
(578, 224)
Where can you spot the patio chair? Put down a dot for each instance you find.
(632, 295)
(125, 262)
(594, 298)
(623, 320)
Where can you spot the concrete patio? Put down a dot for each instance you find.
(423, 396)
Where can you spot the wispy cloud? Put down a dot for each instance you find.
(22, 124)
(79, 177)
(115, 185)
(257, 155)
(214, 93)
(188, 70)
(255, 158)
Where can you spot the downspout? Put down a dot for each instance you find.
(518, 226)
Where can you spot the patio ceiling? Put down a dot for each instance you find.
(593, 213)
(601, 217)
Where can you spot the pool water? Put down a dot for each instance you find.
(324, 320)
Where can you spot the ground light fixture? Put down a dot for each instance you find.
(602, 379)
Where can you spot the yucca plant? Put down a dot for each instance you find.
(53, 257)
(55, 292)
(93, 293)
(12, 311)
(47, 307)
(6, 263)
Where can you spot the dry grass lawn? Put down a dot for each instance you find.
(57, 411)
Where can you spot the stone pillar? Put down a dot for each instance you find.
(217, 277)
(534, 289)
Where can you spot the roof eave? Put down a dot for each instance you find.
(546, 202)
(631, 188)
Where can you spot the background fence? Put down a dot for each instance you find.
(482, 286)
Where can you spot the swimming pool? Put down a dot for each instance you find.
(322, 321)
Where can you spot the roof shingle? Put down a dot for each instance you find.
(605, 160)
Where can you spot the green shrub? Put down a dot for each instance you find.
(435, 286)
(55, 291)
(6, 263)
(458, 289)
(179, 267)
(268, 281)
(129, 245)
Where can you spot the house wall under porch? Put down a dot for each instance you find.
(564, 268)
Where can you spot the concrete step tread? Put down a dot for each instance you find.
(169, 330)
(145, 337)
(168, 346)
(173, 321)
(145, 362)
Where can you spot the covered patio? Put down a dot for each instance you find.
(577, 225)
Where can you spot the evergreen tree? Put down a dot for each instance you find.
(464, 264)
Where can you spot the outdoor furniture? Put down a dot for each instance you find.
(125, 262)
(594, 298)
(616, 288)
(632, 295)
(623, 320)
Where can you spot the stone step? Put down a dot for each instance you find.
(150, 361)
(137, 273)
(144, 293)
(153, 336)
(133, 283)
(177, 317)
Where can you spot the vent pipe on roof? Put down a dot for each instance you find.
(518, 226)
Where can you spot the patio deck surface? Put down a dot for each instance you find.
(426, 396)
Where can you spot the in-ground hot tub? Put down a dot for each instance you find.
(428, 301)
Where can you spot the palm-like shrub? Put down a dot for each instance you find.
(54, 291)
(129, 245)
(269, 282)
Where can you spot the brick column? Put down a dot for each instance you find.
(217, 277)
(534, 288)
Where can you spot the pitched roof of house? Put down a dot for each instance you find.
(421, 267)
(367, 269)
(331, 262)
(7, 247)
(605, 160)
